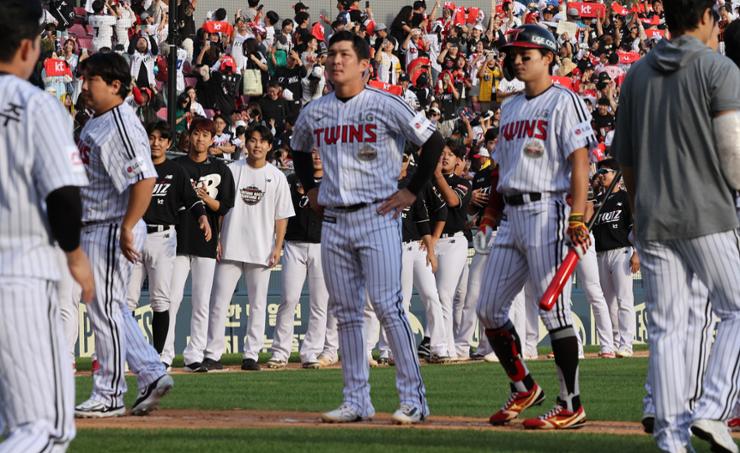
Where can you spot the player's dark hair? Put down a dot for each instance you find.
(97, 6)
(456, 147)
(203, 124)
(272, 17)
(220, 116)
(684, 15)
(732, 41)
(109, 67)
(285, 23)
(264, 132)
(159, 126)
(19, 20)
(360, 46)
(253, 3)
(220, 14)
(609, 163)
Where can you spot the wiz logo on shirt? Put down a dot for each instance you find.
(346, 133)
(525, 128)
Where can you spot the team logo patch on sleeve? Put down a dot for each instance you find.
(583, 130)
(419, 123)
(134, 167)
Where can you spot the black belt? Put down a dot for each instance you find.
(158, 228)
(518, 199)
(355, 207)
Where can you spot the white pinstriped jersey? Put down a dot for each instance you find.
(115, 150)
(361, 142)
(37, 156)
(536, 137)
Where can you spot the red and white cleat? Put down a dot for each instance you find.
(517, 402)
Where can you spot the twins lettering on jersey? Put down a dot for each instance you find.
(346, 133)
(525, 128)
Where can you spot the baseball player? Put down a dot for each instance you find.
(171, 191)
(301, 259)
(39, 203)
(452, 245)
(616, 260)
(115, 151)
(214, 185)
(542, 152)
(102, 25)
(261, 214)
(360, 134)
(684, 215)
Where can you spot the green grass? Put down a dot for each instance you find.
(349, 440)
(610, 389)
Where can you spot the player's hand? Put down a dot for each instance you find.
(127, 245)
(479, 198)
(635, 263)
(432, 261)
(397, 203)
(202, 193)
(313, 200)
(274, 258)
(79, 268)
(205, 227)
(218, 252)
(481, 240)
(578, 233)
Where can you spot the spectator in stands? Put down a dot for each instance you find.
(222, 140)
(273, 107)
(142, 54)
(388, 65)
(102, 24)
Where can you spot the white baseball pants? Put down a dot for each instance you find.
(452, 255)
(69, 295)
(201, 271)
(587, 273)
(257, 281)
(615, 275)
(157, 263)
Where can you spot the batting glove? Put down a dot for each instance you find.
(482, 239)
(578, 233)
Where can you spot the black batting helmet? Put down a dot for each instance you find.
(529, 36)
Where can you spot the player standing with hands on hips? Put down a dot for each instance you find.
(542, 152)
(680, 171)
(39, 202)
(360, 134)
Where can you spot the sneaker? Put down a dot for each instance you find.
(648, 423)
(491, 357)
(148, 399)
(607, 355)
(195, 367)
(517, 402)
(716, 433)
(343, 414)
(439, 359)
(559, 417)
(95, 409)
(250, 365)
(423, 349)
(311, 365)
(325, 360)
(213, 365)
(407, 415)
(733, 423)
(274, 364)
(624, 353)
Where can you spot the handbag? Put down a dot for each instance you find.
(252, 82)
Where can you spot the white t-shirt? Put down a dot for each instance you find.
(123, 24)
(510, 86)
(262, 197)
(388, 68)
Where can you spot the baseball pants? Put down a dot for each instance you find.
(361, 253)
(69, 295)
(301, 259)
(257, 281)
(415, 272)
(702, 326)
(118, 338)
(530, 244)
(157, 263)
(37, 394)
(615, 275)
(452, 256)
(587, 273)
(331, 340)
(201, 271)
(667, 267)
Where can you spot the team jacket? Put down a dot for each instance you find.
(613, 224)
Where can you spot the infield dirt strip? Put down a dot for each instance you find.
(231, 419)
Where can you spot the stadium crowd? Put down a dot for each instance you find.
(243, 77)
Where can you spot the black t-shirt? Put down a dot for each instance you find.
(417, 219)
(171, 192)
(482, 180)
(217, 178)
(614, 223)
(602, 123)
(457, 217)
(447, 104)
(186, 23)
(277, 110)
(305, 225)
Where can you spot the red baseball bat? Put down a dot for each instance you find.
(563, 273)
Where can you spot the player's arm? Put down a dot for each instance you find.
(140, 196)
(726, 126)
(281, 226)
(449, 195)
(302, 144)
(189, 199)
(577, 230)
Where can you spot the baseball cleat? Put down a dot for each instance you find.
(559, 417)
(624, 353)
(517, 402)
(384, 362)
(195, 367)
(250, 365)
(716, 433)
(491, 357)
(276, 364)
(311, 365)
(325, 360)
(439, 359)
(607, 355)
(95, 409)
(148, 399)
(424, 350)
(343, 414)
(407, 415)
(648, 423)
(213, 365)
(733, 423)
